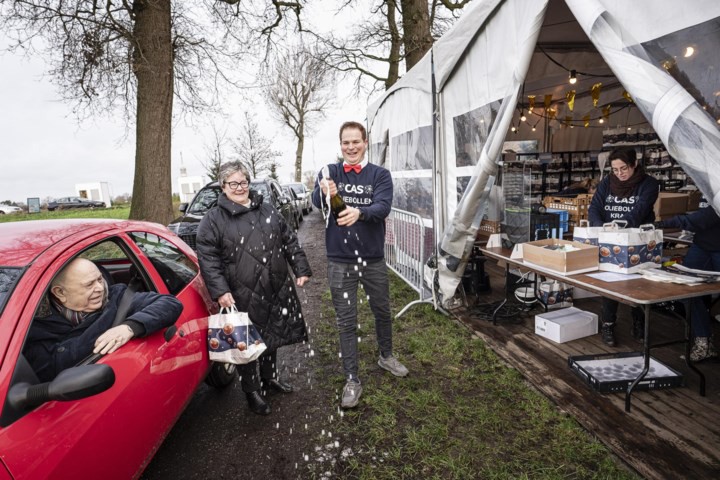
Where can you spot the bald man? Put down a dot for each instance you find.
(82, 311)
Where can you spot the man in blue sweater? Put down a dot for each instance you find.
(355, 245)
(704, 254)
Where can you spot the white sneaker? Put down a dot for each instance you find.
(351, 394)
(392, 365)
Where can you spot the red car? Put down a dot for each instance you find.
(104, 419)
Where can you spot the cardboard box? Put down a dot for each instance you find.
(670, 204)
(565, 325)
(584, 259)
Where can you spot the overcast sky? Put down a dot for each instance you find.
(45, 152)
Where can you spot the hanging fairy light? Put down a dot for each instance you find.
(522, 116)
(573, 77)
(531, 101)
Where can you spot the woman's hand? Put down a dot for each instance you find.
(302, 281)
(226, 300)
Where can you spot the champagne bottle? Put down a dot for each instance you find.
(337, 205)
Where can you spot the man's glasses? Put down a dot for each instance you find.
(236, 185)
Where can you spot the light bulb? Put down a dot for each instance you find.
(533, 129)
(601, 121)
(522, 117)
(689, 52)
(573, 77)
(629, 128)
(513, 128)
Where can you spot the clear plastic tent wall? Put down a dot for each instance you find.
(477, 98)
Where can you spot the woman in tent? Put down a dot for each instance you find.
(628, 194)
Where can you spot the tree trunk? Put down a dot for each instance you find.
(299, 153)
(416, 30)
(153, 66)
(395, 43)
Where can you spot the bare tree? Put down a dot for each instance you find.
(141, 56)
(300, 94)
(254, 150)
(215, 153)
(396, 32)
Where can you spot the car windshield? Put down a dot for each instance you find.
(262, 189)
(204, 201)
(298, 187)
(8, 279)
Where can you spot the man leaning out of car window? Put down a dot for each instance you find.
(82, 309)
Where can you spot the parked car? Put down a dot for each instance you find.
(106, 417)
(297, 203)
(304, 195)
(9, 209)
(187, 224)
(74, 202)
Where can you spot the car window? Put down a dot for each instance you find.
(8, 279)
(175, 268)
(298, 187)
(204, 201)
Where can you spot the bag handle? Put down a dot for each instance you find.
(231, 309)
(584, 223)
(647, 226)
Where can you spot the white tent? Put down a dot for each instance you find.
(441, 128)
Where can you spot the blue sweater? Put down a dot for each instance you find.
(636, 209)
(371, 191)
(705, 223)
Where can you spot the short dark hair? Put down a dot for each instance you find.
(355, 125)
(627, 155)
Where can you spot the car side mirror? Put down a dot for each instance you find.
(183, 207)
(71, 384)
(284, 200)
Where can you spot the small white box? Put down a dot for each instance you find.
(567, 324)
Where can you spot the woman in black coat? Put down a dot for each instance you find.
(244, 247)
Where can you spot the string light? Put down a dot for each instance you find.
(522, 116)
(573, 77)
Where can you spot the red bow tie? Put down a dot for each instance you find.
(357, 167)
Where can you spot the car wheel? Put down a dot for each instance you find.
(2, 213)
(221, 375)
(300, 216)
(305, 211)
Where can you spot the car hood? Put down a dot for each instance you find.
(186, 224)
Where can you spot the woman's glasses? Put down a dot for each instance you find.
(236, 185)
(623, 169)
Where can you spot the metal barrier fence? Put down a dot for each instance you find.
(405, 251)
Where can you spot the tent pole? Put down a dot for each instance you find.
(437, 174)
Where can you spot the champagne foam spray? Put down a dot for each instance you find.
(325, 207)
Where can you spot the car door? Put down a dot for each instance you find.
(112, 434)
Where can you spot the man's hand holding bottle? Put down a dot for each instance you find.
(344, 215)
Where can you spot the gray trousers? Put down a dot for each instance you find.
(343, 279)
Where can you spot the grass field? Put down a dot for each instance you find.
(114, 212)
(461, 414)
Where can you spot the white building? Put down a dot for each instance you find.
(95, 191)
(189, 186)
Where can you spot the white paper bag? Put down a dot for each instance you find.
(629, 250)
(232, 338)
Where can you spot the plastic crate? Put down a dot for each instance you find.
(488, 227)
(576, 206)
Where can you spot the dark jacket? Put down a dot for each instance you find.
(371, 191)
(53, 344)
(705, 223)
(636, 209)
(246, 251)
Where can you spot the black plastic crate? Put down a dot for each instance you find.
(523, 226)
(614, 372)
